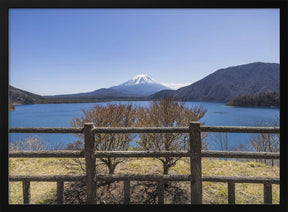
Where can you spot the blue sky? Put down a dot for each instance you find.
(63, 51)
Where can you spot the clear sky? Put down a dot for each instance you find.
(65, 51)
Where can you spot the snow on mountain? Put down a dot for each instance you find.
(140, 85)
(140, 79)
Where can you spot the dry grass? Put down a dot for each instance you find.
(34, 166)
(246, 193)
(213, 193)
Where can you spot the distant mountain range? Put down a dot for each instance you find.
(19, 97)
(226, 84)
(222, 85)
(139, 86)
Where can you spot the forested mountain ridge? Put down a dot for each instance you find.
(222, 85)
(266, 99)
(139, 86)
(19, 97)
(228, 83)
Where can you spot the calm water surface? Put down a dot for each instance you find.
(59, 115)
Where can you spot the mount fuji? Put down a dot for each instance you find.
(140, 85)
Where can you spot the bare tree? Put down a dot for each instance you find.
(32, 143)
(167, 113)
(220, 141)
(112, 115)
(265, 142)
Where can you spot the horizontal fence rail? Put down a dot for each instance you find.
(143, 154)
(239, 129)
(145, 177)
(46, 130)
(195, 154)
(47, 154)
(203, 128)
(240, 154)
(53, 178)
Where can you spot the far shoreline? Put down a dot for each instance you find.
(73, 101)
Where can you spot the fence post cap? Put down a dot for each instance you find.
(89, 125)
(193, 124)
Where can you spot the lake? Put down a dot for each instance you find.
(59, 115)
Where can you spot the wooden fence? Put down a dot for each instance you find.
(195, 154)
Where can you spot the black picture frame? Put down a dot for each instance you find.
(4, 77)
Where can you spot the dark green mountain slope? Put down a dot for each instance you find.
(222, 85)
(226, 84)
(21, 97)
(266, 99)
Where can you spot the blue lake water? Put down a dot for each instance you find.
(59, 115)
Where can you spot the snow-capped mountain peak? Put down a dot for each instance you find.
(140, 85)
(140, 79)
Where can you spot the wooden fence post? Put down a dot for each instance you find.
(195, 163)
(90, 163)
(126, 191)
(160, 192)
(267, 193)
(26, 191)
(60, 190)
(231, 193)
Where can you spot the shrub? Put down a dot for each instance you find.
(167, 113)
(112, 115)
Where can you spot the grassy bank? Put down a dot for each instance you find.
(213, 193)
